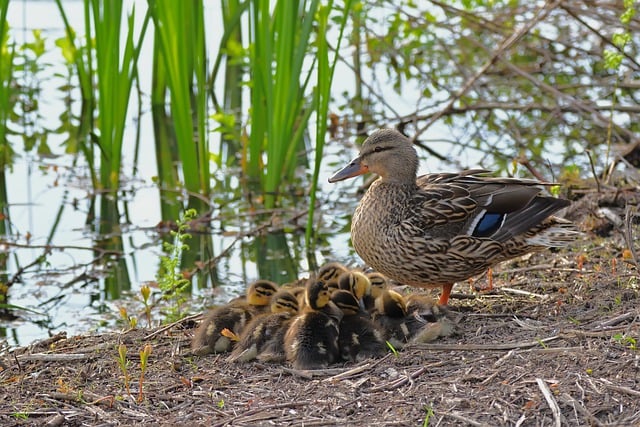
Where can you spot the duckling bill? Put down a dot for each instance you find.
(445, 227)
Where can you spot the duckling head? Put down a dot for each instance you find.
(346, 302)
(260, 292)
(391, 303)
(330, 272)
(355, 282)
(284, 301)
(317, 295)
(377, 283)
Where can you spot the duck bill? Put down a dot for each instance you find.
(354, 168)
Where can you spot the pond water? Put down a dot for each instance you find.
(54, 277)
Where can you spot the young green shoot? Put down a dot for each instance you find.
(427, 416)
(123, 363)
(393, 349)
(144, 356)
(145, 292)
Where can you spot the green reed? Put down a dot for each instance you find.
(322, 96)
(180, 38)
(7, 54)
(116, 68)
(279, 38)
(181, 57)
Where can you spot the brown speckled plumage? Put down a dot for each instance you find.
(438, 229)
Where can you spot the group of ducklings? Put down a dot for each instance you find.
(339, 314)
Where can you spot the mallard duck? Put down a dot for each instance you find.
(233, 316)
(438, 229)
(265, 332)
(359, 338)
(311, 342)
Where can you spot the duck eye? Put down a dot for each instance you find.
(377, 149)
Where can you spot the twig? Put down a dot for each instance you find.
(55, 357)
(619, 388)
(260, 409)
(510, 41)
(467, 421)
(567, 399)
(349, 373)
(618, 319)
(555, 409)
(488, 347)
(171, 325)
(521, 292)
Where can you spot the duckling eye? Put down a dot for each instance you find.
(377, 149)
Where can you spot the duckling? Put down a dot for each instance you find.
(360, 338)
(355, 282)
(266, 331)
(233, 316)
(414, 321)
(390, 312)
(311, 342)
(329, 274)
(430, 320)
(377, 283)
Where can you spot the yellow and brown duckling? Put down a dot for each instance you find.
(377, 283)
(355, 282)
(445, 227)
(311, 342)
(417, 319)
(359, 338)
(390, 313)
(233, 316)
(330, 273)
(264, 334)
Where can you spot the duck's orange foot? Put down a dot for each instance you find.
(446, 292)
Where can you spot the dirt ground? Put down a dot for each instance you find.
(556, 342)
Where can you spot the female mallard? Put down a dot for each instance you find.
(438, 229)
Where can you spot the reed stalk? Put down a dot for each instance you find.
(322, 96)
(179, 28)
(7, 54)
(279, 39)
(116, 63)
(180, 41)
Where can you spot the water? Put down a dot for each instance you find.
(67, 290)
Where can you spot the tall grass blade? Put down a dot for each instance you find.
(326, 69)
(279, 115)
(7, 54)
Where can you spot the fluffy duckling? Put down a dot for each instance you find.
(360, 338)
(329, 274)
(357, 283)
(377, 283)
(415, 319)
(390, 312)
(233, 316)
(265, 333)
(311, 342)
